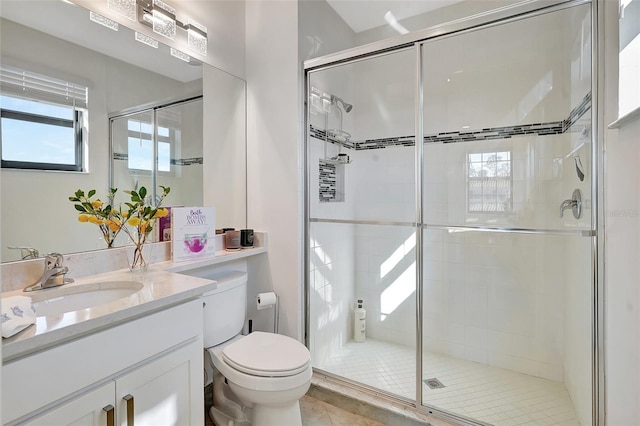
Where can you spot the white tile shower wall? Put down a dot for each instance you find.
(538, 172)
(331, 271)
(385, 280)
(496, 299)
(381, 183)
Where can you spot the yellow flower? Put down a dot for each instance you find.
(125, 214)
(134, 221)
(96, 204)
(161, 213)
(83, 218)
(93, 219)
(114, 227)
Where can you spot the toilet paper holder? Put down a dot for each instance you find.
(266, 301)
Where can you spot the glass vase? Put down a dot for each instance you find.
(138, 258)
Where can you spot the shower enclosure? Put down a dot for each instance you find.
(475, 250)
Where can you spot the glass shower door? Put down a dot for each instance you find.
(362, 210)
(507, 260)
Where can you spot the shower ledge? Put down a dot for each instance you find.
(368, 404)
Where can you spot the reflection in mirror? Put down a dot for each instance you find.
(171, 133)
(58, 40)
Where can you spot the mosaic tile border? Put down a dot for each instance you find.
(321, 134)
(174, 162)
(187, 161)
(506, 132)
(328, 179)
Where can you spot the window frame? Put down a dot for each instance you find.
(75, 124)
(497, 179)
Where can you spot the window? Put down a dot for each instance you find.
(42, 121)
(141, 147)
(490, 185)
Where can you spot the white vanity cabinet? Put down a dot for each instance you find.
(148, 370)
(157, 393)
(95, 408)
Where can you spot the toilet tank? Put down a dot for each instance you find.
(225, 308)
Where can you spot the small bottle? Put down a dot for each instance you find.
(359, 322)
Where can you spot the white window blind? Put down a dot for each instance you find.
(29, 85)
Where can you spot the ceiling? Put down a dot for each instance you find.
(362, 15)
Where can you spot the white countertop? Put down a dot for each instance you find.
(163, 286)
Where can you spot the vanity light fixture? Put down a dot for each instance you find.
(162, 18)
(146, 40)
(180, 55)
(126, 8)
(99, 19)
(196, 36)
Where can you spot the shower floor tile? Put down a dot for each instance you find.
(477, 391)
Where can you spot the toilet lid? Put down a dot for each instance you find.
(267, 355)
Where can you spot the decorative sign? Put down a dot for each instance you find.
(193, 232)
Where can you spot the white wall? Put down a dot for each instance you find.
(224, 148)
(273, 152)
(321, 30)
(622, 247)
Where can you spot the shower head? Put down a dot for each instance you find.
(347, 107)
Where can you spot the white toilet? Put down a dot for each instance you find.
(267, 372)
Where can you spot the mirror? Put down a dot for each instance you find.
(123, 76)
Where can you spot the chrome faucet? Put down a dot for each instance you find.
(574, 203)
(53, 275)
(26, 252)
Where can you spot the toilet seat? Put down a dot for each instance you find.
(267, 355)
(259, 382)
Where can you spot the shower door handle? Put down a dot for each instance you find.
(575, 204)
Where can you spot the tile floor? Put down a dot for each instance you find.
(318, 413)
(477, 391)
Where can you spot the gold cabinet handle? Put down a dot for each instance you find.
(110, 410)
(129, 399)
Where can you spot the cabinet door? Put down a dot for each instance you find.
(167, 391)
(95, 408)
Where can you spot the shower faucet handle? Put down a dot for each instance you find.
(575, 204)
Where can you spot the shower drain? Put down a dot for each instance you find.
(433, 383)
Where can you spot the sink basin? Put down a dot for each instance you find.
(59, 300)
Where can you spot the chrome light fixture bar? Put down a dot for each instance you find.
(162, 18)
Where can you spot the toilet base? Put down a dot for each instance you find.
(277, 416)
